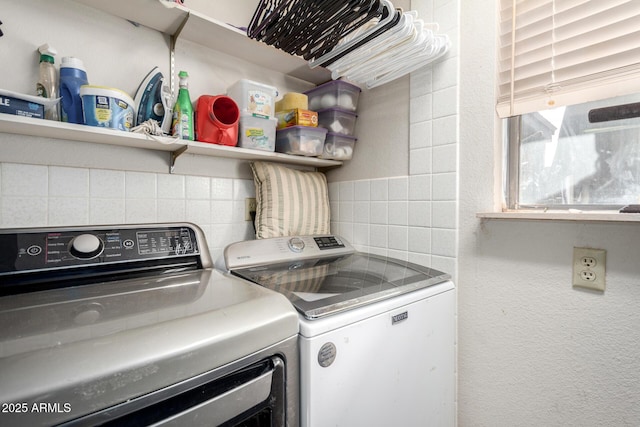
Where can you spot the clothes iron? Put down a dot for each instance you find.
(150, 100)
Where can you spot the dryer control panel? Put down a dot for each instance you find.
(284, 249)
(50, 249)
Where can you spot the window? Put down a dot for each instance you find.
(569, 91)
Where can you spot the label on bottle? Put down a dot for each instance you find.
(41, 90)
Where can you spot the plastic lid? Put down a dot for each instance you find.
(45, 49)
(46, 58)
(183, 78)
(72, 62)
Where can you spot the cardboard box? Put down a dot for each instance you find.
(297, 117)
(20, 107)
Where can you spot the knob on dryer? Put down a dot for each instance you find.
(86, 246)
(296, 244)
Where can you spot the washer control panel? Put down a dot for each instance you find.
(48, 249)
(284, 249)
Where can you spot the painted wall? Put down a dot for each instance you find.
(533, 351)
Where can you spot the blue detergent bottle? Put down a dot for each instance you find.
(72, 76)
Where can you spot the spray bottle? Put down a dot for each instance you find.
(47, 86)
(183, 111)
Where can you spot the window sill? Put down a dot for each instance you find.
(573, 215)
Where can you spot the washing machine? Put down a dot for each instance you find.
(377, 334)
(130, 325)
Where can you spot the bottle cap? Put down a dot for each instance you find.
(46, 58)
(72, 62)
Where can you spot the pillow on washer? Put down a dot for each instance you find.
(289, 202)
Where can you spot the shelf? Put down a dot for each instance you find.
(167, 17)
(575, 216)
(66, 131)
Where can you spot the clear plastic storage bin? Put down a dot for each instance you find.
(254, 98)
(300, 140)
(338, 147)
(339, 121)
(257, 133)
(332, 94)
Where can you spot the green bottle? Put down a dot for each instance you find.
(182, 124)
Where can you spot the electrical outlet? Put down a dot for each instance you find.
(589, 268)
(249, 206)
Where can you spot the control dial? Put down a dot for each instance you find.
(296, 244)
(86, 246)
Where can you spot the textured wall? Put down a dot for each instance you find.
(533, 351)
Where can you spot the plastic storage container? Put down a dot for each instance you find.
(301, 140)
(334, 94)
(106, 107)
(339, 121)
(257, 133)
(254, 98)
(338, 147)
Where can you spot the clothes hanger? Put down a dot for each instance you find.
(390, 17)
(366, 54)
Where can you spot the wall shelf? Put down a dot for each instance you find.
(171, 18)
(90, 134)
(168, 16)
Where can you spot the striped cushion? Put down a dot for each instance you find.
(289, 202)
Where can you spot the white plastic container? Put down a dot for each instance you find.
(338, 147)
(254, 98)
(337, 120)
(301, 140)
(334, 94)
(107, 107)
(257, 133)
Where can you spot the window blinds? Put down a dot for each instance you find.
(562, 52)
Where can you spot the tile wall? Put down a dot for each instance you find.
(36, 196)
(414, 217)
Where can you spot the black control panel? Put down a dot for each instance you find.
(46, 250)
(328, 242)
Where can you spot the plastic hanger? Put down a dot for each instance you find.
(367, 53)
(389, 18)
(310, 28)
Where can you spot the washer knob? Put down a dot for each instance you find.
(296, 244)
(86, 246)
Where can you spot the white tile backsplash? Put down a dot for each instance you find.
(68, 182)
(420, 108)
(198, 187)
(420, 161)
(222, 188)
(68, 210)
(399, 219)
(399, 188)
(171, 186)
(24, 180)
(107, 184)
(38, 196)
(445, 158)
(420, 135)
(380, 189)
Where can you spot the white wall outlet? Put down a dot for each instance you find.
(589, 268)
(249, 206)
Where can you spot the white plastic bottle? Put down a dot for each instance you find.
(48, 86)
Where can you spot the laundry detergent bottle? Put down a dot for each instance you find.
(182, 125)
(72, 76)
(47, 85)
